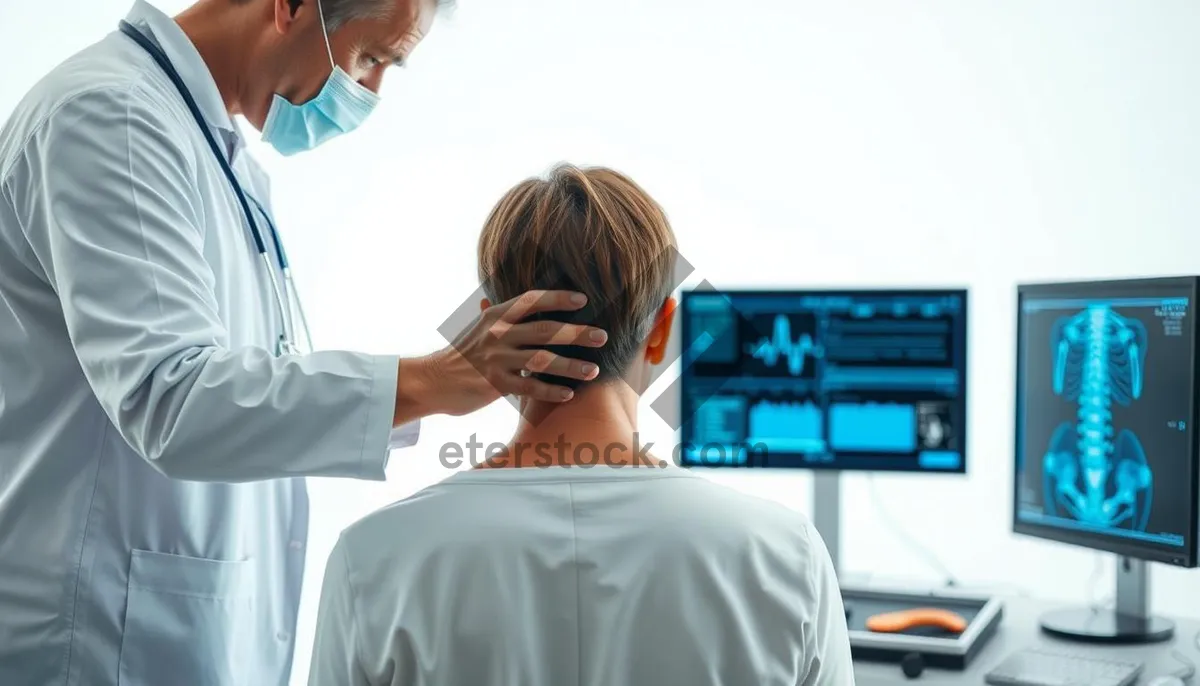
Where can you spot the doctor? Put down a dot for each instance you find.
(157, 411)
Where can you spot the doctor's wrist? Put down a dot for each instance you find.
(416, 390)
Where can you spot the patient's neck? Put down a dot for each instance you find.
(597, 427)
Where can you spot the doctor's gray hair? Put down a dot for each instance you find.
(339, 12)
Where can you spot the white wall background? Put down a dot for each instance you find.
(793, 142)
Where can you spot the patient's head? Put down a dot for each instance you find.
(595, 231)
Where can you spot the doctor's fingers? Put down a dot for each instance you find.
(548, 332)
(529, 387)
(515, 309)
(546, 362)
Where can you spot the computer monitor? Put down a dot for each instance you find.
(825, 380)
(1106, 444)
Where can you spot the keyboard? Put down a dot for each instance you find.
(1032, 667)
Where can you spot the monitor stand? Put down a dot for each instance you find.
(827, 518)
(827, 513)
(1129, 622)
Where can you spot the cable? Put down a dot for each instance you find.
(920, 550)
(1189, 667)
(1097, 571)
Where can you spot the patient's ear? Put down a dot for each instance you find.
(484, 304)
(656, 344)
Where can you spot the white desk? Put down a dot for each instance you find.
(1018, 629)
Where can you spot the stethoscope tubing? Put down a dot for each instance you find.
(287, 295)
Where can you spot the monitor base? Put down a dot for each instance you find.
(1106, 626)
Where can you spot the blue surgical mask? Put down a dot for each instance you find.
(341, 106)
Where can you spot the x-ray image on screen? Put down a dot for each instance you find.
(1105, 397)
(1096, 473)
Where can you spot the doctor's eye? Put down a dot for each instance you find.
(371, 61)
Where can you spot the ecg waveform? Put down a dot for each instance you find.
(780, 344)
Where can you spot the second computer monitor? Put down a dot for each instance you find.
(824, 379)
(1106, 400)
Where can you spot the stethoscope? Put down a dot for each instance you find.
(287, 341)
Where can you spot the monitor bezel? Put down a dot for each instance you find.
(1185, 557)
(917, 291)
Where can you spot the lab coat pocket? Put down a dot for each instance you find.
(187, 621)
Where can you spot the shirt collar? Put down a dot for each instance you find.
(163, 30)
(600, 471)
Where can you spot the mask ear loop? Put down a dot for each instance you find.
(325, 32)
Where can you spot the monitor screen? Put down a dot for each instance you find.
(843, 380)
(1105, 408)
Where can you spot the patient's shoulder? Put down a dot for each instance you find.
(676, 514)
(438, 521)
(721, 512)
(403, 518)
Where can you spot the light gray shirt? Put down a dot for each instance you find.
(153, 518)
(581, 576)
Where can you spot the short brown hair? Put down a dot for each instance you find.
(586, 229)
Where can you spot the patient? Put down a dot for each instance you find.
(552, 566)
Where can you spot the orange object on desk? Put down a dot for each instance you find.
(893, 622)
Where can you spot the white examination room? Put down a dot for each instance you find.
(569, 343)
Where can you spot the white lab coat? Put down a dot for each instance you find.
(581, 576)
(153, 514)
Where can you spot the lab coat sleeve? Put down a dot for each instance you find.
(335, 652)
(405, 435)
(114, 218)
(827, 636)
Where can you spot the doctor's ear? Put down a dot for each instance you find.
(656, 345)
(285, 13)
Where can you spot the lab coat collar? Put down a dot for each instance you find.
(191, 67)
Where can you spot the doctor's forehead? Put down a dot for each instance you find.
(401, 24)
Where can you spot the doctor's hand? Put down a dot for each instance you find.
(487, 360)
